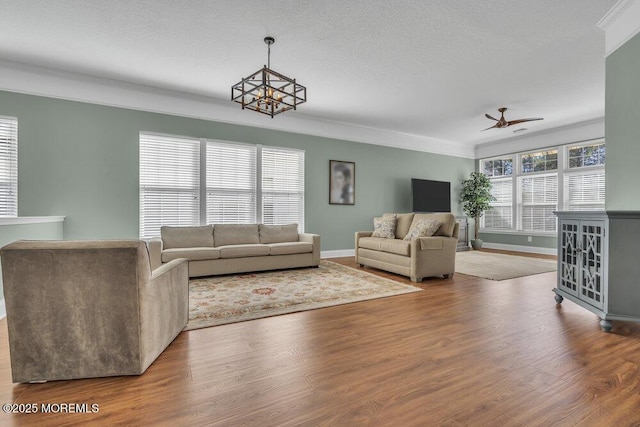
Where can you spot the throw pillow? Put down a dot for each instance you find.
(384, 226)
(423, 228)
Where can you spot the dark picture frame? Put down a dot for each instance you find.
(342, 182)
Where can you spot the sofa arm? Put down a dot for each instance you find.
(164, 308)
(314, 239)
(155, 252)
(360, 234)
(433, 256)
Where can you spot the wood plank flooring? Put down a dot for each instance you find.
(465, 351)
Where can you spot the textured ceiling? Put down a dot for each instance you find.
(425, 68)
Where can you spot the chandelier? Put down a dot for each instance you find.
(267, 91)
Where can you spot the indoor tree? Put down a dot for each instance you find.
(476, 198)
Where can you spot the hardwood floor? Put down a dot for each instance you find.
(465, 351)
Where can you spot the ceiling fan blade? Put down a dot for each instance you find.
(489, 117)
(494, 126)
(515, 122)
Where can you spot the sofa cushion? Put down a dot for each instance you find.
(192, 254)
(447, 219)
(235, 234)
(393, 246)
(278, 233)
(186, 237)
(385, 227)
(423, 228)
(288, 248)
(403, 223)
(241, 251)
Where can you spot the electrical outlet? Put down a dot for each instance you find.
(529, 239)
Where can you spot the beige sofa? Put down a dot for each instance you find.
(236, 248)
(416, 258)
(83, 309)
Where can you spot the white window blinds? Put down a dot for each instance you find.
(169, 183)
(231, 183)
(584, 190)
(500, 216)
(8, 167)
(283, 187)
(186, 181)
(538, 196)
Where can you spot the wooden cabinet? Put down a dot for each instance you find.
(596, 265)
(463, 234)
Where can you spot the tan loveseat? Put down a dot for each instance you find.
(416, 258)
(83, 309)
(236, 248)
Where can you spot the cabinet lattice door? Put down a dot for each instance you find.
(569, 254)
(591, 264)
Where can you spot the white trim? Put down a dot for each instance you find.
(30, 220)
(3, 309)
(29, 79)
(518, 248)
(570, 134)
(338, 253)
(620, 24)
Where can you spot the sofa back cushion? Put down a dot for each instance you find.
(447, 219)
(235, 234)
(403, 223)
(187, 237)
(278, 233)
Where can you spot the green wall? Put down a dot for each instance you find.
(80, 160)
(519, 239)
(622, 119)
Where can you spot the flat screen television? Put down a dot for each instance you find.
(430, 196)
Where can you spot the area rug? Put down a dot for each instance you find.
(226, 299)
(500, 266)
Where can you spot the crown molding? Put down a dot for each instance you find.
(620, 24)
(33, 80)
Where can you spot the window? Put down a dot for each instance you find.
(169, 183)
(231, 183)
(8, 167)
(528, 187)
(584, 183)
(282, 186)
(499, 171)
(186, 181)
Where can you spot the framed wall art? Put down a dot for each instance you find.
(342, 182)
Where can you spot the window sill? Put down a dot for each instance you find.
(30, 220)
(520, 233)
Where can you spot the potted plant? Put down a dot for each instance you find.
(476, 198)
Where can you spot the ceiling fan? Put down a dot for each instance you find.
(503, 123)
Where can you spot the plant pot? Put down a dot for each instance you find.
(476, 243)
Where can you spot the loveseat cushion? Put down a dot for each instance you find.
(241, 251)
(186, 237)
(385, 227)
(447, 219)
(423, 228)
(235, 234)
(278, 233)
(393, 246)
(192, 254)
(289, 248)
(403, 223)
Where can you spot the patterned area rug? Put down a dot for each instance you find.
(500, 266)
(234, 298)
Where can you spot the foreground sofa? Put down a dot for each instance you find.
(236, 248)
(415, 257)
(83, 309)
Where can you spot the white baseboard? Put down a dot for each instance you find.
(338, 254)
(3, 310)
(517, 248)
